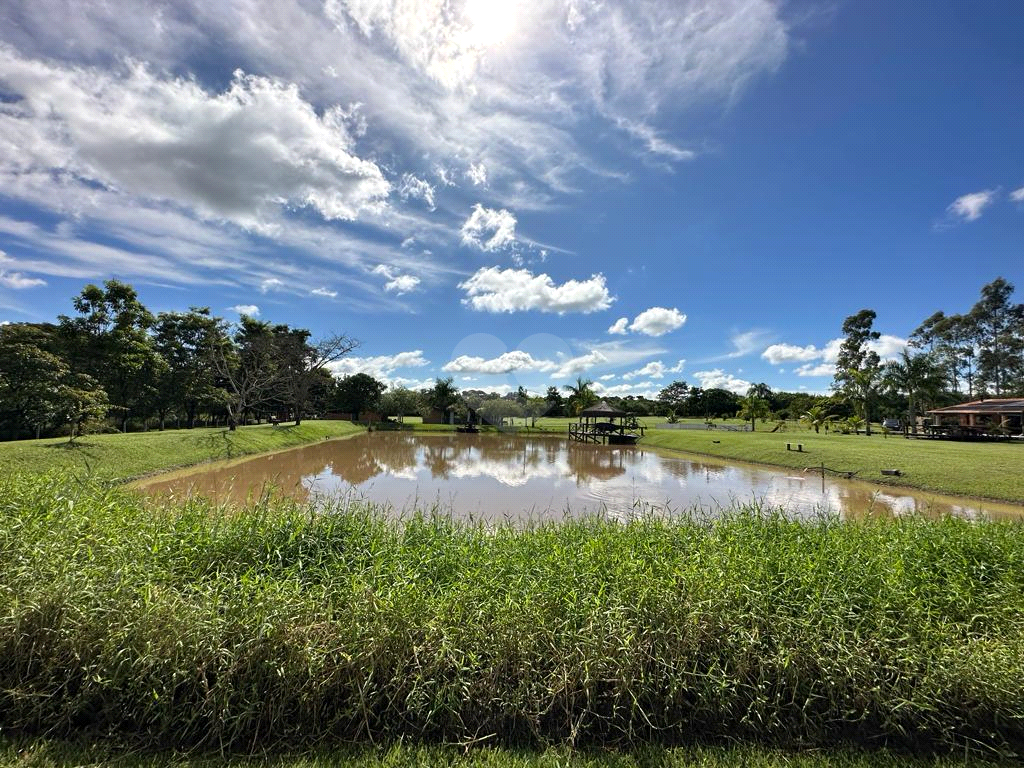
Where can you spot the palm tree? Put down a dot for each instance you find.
(817, 418)
(581, 396)
(752, 409)
(915, 376)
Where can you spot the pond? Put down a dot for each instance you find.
(493, 477)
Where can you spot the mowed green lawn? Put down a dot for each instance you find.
(119, 457)
(982, 469)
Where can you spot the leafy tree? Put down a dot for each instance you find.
(300, 363)
(30, 379)
(674, 396)
(496, 410)
(535, 408)
(247, 368)
(555, 401)
(718, 403)
(357, 393)
(186, 342)
(400, 402)
(444, 395)
(81, 404)
(109, 341)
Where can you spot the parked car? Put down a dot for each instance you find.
(891, 424)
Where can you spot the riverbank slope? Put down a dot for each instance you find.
(122, 457)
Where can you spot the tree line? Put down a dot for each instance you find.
(114, 362)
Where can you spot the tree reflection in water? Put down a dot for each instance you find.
(508, 476)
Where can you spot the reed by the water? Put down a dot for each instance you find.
(287, 627)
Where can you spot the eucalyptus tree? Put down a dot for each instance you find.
(999, 336)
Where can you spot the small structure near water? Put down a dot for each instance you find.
(604, 424)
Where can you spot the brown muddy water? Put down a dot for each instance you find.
(497, 477)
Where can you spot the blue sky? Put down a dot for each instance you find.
(523, 192)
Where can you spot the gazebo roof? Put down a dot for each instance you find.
(602, 409)
(994, 405)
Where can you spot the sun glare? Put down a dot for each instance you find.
(489, 22)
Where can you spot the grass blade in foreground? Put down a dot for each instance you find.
(283, 628)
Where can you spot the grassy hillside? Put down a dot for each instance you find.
(119, 457)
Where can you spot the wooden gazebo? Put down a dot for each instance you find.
(601, 423)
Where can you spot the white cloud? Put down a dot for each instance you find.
(653, 370)
(648, 389)
(505, 363)
(271, 284)
(1017, 195)
(416, 189)
(396, 283)
(970, 206)
(790, 353)
(607, 377)
(238, 155)
(381, 367)
(477, 174)
(489, 229)
(493, 289)
(748, 342)
(719, 379)
(246, 309)
(577, 365)
(325, 292)
(821, 369)
(657, 321)
(18, 281)
(619, 327)
(886, 346)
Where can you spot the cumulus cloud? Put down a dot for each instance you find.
(619, 327)
(395, 282)
(325, 292)
(886, 346)
(504, 363)
(970, 207)
(719, 379)
(381, 367)
(271, 284)
(657, 321)
(1017, 195)
(493, 289)
(246, 309)
(413, 188)
(791, 353)
(489, 229)
(237, 155)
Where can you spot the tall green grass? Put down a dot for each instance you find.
(290, 627)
